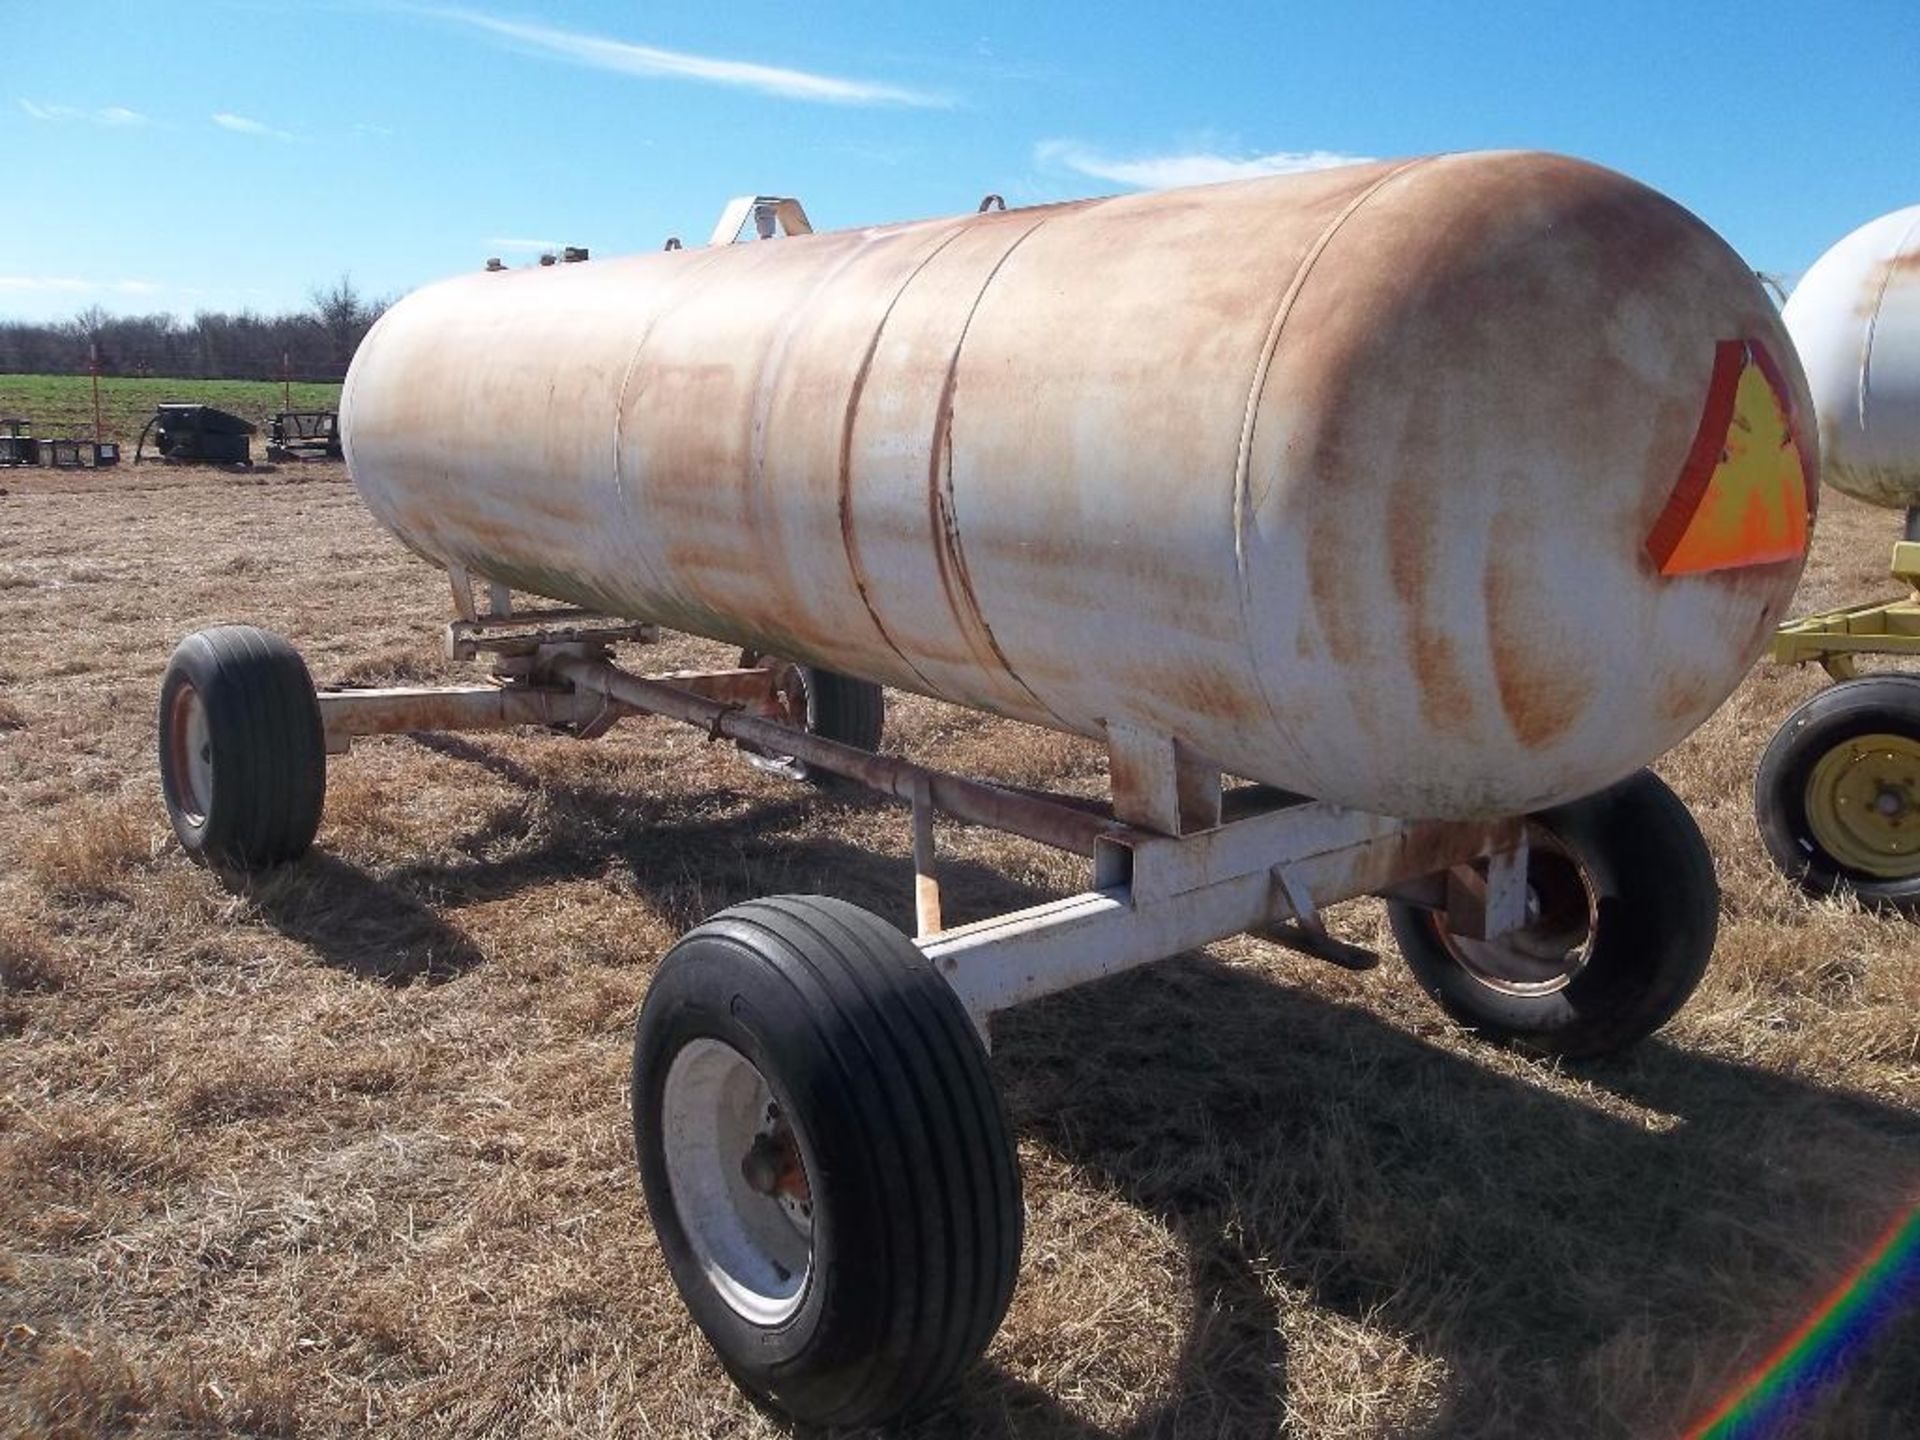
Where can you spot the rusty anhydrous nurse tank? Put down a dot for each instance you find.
(1453, 487)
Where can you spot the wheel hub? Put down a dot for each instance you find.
(737, 1170)
(1863, 805)
(1553, 946)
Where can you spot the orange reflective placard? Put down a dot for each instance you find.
(1744, 496)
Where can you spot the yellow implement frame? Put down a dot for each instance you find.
(1835, 638)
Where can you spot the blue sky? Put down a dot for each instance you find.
(209, 154)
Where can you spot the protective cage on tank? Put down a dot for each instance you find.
(865, 459)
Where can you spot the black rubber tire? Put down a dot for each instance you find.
(914, 1176)
(1656, 912)
(265, 742)
(854, 712)
(1870, 705)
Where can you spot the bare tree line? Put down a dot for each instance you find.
(312, 344)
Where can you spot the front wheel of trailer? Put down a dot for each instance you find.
(825, 1159)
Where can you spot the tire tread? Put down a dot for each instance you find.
(263, 718)
(903, 1051)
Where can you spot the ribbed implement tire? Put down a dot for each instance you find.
(1657, 902)
(265, 742)
(913, 1175)
(854, 712)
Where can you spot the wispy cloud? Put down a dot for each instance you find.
(115, 115)
(651, 62)
(245, 125)
(1185, 167)
(364, 127)
(514, 242)
(72, 285)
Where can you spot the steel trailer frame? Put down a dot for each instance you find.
(793, 1050)
(1178, 861)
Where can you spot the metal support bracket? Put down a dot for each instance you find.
(1160, 784)
(1306, 933)
(926, 878)
(462, 585)
(533, 630)
(1485, 906)
(1488, 901)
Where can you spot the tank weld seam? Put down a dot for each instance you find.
(949, 553)
(766, 385)
(701, 263)
(849, 542)
(758, 506)
(1243, 463)
(1873, 323)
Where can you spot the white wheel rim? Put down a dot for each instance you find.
(192, 754)
(721, 1131)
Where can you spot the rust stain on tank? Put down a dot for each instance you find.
(1337, 586)
(1543, 686)
(948, 557)
(948, 552)
(564, 510)
(1896, 272)
(1446, 699)
(1414, 547)
(843, 495)
(1684, 695)
(849, 536)
(1202, 689)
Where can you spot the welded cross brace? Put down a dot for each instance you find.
(1157, 896)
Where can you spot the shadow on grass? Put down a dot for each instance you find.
(1563, 1257)
(1563, 1260)
(356, 922)
(691, 856)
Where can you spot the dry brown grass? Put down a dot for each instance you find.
(347, 1150)
(92, 852)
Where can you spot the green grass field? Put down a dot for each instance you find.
(63, 404)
